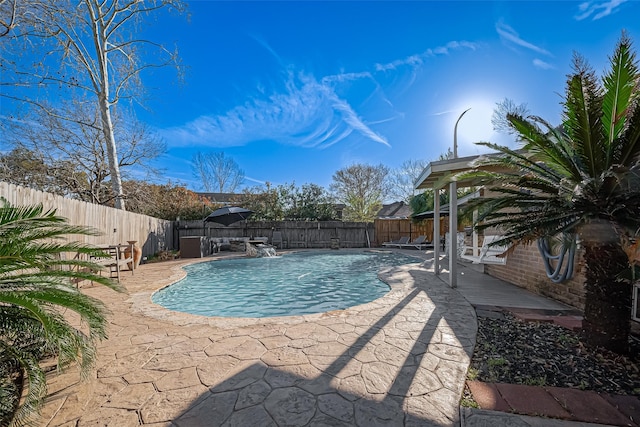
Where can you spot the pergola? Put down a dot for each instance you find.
(437, 175)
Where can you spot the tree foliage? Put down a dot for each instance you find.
(23, 167)
(309, 202)
(423, 202)
(362, 189)
(167, 201)
(581, 178)
(36, 289)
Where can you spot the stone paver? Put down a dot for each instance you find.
(397, 361)
(488, 396)
(526, 399)
(587, 406)
(482, 418)
(575, 407)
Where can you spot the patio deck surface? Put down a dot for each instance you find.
(399, 360)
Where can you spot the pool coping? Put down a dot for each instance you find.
(141, 301)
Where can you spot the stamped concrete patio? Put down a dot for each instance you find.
(400, 360)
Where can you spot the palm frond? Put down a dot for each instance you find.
(619, 84)
(582, 116)
(516, 162)
(629, 145)
(36, 289)
(36, 382)
(548, 147)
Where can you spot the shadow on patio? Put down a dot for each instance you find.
(401, 360)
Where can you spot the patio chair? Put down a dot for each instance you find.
(117, 260)
(396, 243)
(418, 243)
(488, 254)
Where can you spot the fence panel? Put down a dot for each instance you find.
(297, 234)
(387, 230)
(115, 225)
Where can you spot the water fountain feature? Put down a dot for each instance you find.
(260, 251)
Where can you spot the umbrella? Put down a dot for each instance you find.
(228, 215)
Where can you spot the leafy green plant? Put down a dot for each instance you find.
(36, 286)
(566, 339)
(536, 381)
(581, 178)
(473, 374)
(495, 362)
(469, 402)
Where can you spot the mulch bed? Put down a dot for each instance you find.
(509, 350)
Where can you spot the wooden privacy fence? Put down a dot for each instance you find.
(116, 226)
(296, 234)
(387, 230)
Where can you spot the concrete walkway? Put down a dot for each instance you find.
(398, 361)
(483, 290)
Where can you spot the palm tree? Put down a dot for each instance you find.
(36, 288)
(581, 178)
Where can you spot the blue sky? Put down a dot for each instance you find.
(295, 90)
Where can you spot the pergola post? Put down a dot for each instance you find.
(476, 249)
(436, 230)
(453, 235)
(453, 214)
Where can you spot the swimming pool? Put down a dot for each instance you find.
(291, 284)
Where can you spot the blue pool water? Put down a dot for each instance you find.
(291, 284)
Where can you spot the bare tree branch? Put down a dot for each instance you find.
(91, 41)
(217, 172)
(9, 7)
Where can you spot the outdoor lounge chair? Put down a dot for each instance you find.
(277, 240)
(488, 254)
(397, 243)
(418, 243)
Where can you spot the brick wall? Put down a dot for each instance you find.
(525, 269)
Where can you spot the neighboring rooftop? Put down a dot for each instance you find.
(221, 197)
(395, 210)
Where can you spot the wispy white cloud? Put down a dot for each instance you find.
(307, 113)
(597, 9)
(509, 35)
(539, 63)
(442, 113)
(266, 45)
(385, 120)
(344, 77)
(254, 180)
(417, 60)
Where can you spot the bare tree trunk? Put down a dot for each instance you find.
(100, 41)
(114, 169)
(608, 297)
(110, 70)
